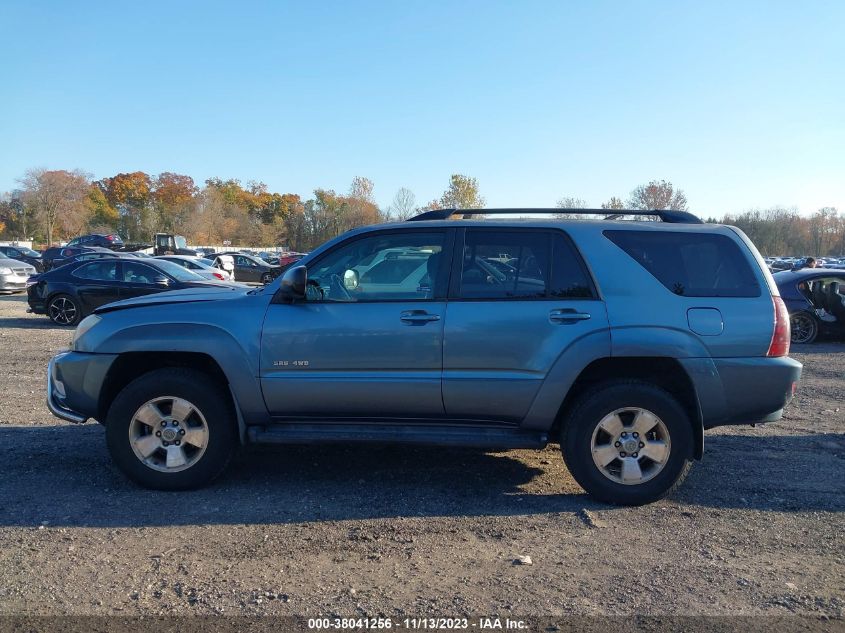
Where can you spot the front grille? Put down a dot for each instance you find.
(23, 271)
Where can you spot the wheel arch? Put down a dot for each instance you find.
(129, 366)
(667, 373)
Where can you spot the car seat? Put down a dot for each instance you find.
(835, 301)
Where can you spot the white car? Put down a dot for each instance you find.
(202, 267)
(14, 274)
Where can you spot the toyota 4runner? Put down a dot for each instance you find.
(620, 340)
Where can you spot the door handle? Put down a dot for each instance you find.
(567, 316)
(418, 317)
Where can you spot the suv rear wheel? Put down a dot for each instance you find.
(171, 429)
(627, 443)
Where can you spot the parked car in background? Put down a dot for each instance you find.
(14, 275)
(112, 241)
(815, 301)
(251, 268)
(203, 267)
(270, 258)
(59, 255)
(23, 254)
(621, 341)
(69, 293)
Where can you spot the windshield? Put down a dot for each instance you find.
(28, 252)
(177, 272)
(180, 242)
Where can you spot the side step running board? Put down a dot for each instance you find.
(475, 436)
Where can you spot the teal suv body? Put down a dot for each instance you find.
(620, 340)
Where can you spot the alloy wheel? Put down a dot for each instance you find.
(62, 311)
(168, 434)
(803, 328)
(630, 446)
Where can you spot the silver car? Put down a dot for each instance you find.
(200, 266)
(14, 274)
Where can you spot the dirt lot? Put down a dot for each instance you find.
(757, 528)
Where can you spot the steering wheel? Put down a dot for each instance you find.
(336, 284)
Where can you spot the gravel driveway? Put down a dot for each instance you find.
(756, 529)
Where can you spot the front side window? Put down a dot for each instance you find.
(384, 267)
(99, 271)
(521, 265)
(690, 264)
(138, 273)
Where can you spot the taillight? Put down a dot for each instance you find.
(219, 276)
(781, 335)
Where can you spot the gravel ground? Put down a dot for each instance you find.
(755, 530)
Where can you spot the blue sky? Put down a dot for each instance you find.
(741, 104)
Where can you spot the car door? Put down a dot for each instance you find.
(97, 284)
(138, 279)
(517, 299)
(246, 269)
(355, 349)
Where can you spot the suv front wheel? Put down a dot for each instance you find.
(171, 429)
(627, 443)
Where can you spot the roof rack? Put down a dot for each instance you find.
(665, 215)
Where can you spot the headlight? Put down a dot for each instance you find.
(5, 271)
(86, 324)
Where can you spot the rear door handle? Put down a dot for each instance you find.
(567, 316)
(417, 317)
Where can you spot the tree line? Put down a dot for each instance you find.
(56, 205)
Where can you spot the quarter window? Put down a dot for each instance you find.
(690, 264)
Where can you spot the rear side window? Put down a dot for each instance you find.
(521, 265)
(690, 264)
(99, 271)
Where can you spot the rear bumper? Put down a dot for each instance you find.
(743, 390)
(74, 382)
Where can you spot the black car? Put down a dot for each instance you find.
(252, 268)
(23, 254)
(815, 299)
(111, 241)
(61, 255)
(69, 293)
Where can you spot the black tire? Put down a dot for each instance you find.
(60, 307)
(208, 398)
(804, 327)
(582, 420)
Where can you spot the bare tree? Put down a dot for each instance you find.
(614, 204)
(55, 197)
(570, 202)
(404, 205)
(657, 195)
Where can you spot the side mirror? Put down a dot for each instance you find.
(162, 281)
(350, 279)
(293, 283)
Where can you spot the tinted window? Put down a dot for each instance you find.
(139, 273)
(521, 265)
(383, 267)
(691, 264)
(100, 271)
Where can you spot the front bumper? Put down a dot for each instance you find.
(74, 382)
(13, 283)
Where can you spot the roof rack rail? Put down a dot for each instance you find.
(665, 215)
